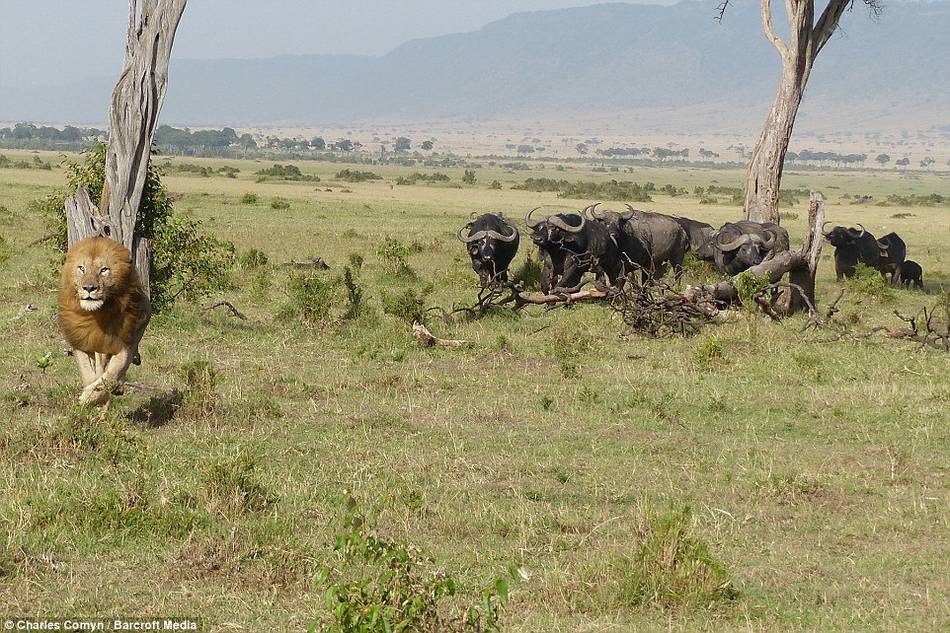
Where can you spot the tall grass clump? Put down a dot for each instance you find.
(672, 568)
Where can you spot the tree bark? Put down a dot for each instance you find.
(806, 39)
(133, 116)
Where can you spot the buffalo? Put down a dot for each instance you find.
(647, 241)
(893, 252)
(911, 273)
(492, 243)
(852, 247)
(737, 246)
(570, 246)
(699, 234)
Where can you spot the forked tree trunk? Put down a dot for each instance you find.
(806, 39)
(764, 177)
(133, 117)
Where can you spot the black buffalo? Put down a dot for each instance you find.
(570, 246)
(492, 243)
(852, 247)
(911, 273)
(647, 241)
(737, 246)
(893, 252)
(699, 234)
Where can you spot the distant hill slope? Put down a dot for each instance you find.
(597, 59)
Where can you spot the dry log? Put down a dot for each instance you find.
(526, 298)
(315, 263)
(428, 339)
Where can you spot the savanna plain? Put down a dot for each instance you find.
(750, 477)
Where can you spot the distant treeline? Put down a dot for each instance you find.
(29, 136)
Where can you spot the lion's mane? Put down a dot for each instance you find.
(112, 327)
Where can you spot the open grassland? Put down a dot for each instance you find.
(816, 471)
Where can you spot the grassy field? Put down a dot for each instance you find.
(816, 472)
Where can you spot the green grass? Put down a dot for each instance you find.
(816, 472)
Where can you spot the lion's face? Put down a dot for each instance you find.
(99, 269)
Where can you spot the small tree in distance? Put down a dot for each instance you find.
(883, 159)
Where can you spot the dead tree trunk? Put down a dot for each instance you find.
(133, 117)
(806, 39)
(792, 300)
(801, 267)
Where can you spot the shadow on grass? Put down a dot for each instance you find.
(158, 410)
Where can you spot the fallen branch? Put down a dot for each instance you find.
(426, 338)
(525, 298)
(314, 263)
(230, 308)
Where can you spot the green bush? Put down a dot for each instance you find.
(249, 198)
(408, 305)
(395, 257)
(353, 175)
(187, 263)
(285, 172)
(252, 259)
(869, 281)
(311, 297)
(672, 568)
(279, 203)
(377, 585)
(354, 292)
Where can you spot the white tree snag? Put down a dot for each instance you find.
(133, 116)
(791, 300)
(806, 39)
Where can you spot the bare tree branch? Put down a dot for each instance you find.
(828, 22)
(721, 9)
(769, 31)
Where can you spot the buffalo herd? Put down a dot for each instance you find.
(611, 244)
(887, 254)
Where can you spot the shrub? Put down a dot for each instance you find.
(497, 185)
(395, 257)
(279, 203)
(469, 177)
(252, 259)
(709, 351)
(354, 292)
(869, 281)
(5, 251)
(748, 284)
(249, 198)
(672, 568)
(408, 305)
(352, 175)
(311, 297)
(416, 177)
(285, 172)
(529, 274)
(379, 585)
(188, 263)
(261, 285)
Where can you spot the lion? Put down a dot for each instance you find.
(103, 312)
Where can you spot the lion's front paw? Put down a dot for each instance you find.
(96, 393)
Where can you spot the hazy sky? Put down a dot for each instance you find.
(43, 41)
